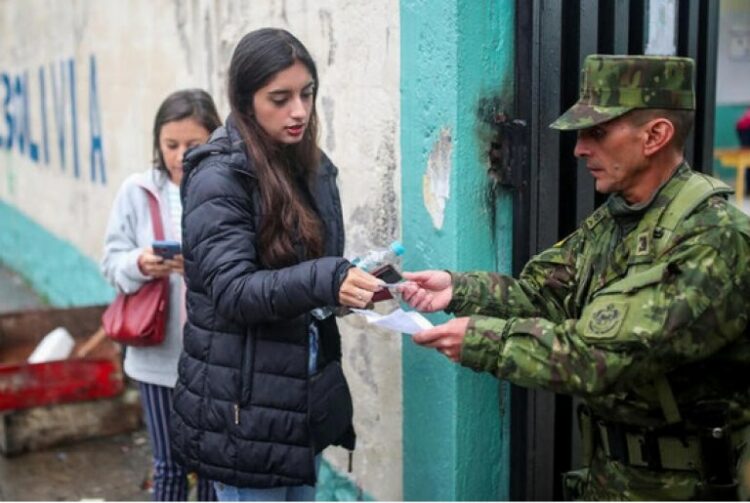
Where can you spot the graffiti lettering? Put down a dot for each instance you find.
(26, 134)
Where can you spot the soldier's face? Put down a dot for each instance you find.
(613, 152)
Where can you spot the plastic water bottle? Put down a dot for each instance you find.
(375, 258)
(368, 262)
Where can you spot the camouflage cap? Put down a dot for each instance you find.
(614, 85)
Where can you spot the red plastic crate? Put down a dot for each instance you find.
(24, 385)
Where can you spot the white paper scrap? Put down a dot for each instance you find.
(406, 322)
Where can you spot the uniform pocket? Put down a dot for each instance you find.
(628, 310)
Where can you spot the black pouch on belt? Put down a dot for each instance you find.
(712, 420)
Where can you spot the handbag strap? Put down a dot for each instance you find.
(153, 205)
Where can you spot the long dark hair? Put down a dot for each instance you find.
(287, 219)
(187, 103)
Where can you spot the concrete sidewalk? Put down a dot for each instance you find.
(114, 468)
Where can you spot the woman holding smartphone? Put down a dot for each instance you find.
(260, 391)
(184, 120)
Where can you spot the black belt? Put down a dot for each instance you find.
(647, 449)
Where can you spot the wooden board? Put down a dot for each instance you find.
(24, 329)
(43, 427)
(95, 374)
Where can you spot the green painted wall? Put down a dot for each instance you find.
(334, 486)
(456, 70)
(53, 267)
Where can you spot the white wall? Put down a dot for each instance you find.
(143, 50)
(733, 53)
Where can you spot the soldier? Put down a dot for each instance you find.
(641, 312)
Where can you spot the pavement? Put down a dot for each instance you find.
(114, 468)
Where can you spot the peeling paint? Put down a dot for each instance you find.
(375, 222)
(327, 104)
(387, 216)
(208, 40)
(181, 15)
(283, 12)
(326, 25)
(436, 185)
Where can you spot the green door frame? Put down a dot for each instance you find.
(457, 61)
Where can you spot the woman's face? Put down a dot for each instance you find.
(175, 138)
(284, 105)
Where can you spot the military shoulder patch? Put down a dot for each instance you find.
(605, 320)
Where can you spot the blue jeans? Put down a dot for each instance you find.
(226, 492)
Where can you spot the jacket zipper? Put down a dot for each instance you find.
(236, 413)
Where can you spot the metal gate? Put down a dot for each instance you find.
(553, 193)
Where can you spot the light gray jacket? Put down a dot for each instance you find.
(129, 230)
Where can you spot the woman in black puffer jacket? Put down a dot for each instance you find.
(260, 390)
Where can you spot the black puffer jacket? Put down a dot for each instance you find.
(240, 413)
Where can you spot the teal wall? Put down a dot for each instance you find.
(456, 70)
(334, 486)
(53, 267)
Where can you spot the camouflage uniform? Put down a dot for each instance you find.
(642, 319)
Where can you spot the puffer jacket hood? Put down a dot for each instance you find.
(224, 141)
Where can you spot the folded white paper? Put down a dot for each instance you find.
(406, 322)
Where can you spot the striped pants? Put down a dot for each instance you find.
(170, 478)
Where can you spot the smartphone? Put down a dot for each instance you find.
(166, 249)
(389, 274)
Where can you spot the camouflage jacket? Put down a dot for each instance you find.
(602, 316)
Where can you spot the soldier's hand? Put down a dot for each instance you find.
(427, 291)
(446, 338)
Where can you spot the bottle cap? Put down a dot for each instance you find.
(398, 248)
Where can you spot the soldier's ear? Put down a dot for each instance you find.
(659, 133)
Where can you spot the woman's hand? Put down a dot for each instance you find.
(153, 265)
(176, 264)
(358, 288)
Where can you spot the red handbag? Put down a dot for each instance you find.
(139, 319)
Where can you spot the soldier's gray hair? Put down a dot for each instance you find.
(682, 120)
